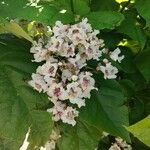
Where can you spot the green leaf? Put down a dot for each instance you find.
(49, 13)
(136, 110)
(129, 27)
(14, 114)
(97, 5)
(16, 53)
(143, 62)
(17, 99)
(143, 9)
(41, 128)
(105, 110)
(17, 9)
(81, 7)
(128, 87)
(14, 28)
(105, 19)
(141, 130)
(80, 137)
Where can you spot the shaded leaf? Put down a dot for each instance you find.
(80, 137)
(143, 62)
(143, 9)
(105, 110)
(129, 27)
(97, 5)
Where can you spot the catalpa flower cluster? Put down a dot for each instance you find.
(64, 75)
(120, 144)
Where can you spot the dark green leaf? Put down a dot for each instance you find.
(97, 5)
(80, 137)
(105, 110)
(143, 63)
(131, 28)
(143, 9)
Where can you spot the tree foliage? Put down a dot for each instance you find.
(115, 106)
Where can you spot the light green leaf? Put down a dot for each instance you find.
(105, 110)
(143, 9)
(105, 19)
(141, 130)
(80, 137)
(41, 128)
(14, 28)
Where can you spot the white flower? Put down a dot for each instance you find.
(57, 110)
(87, 84)
(123, 144)
(78, 61)
(69, 116)
(66, 75)
(49, 80)
(86, 81)
(76, 34)
(48, 69)
(56, 91)
(93, 53)
(74, 78)
(67, 50)
(115, 55)
(38, 83)
(109, 71)
(120, 144)
(85, 25)
(59, 29)
(114, 147)
(55, 44)
(74, 94)
(41, 55)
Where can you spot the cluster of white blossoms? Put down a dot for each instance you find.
(64, 75)
(120, 144)
(51, 144)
